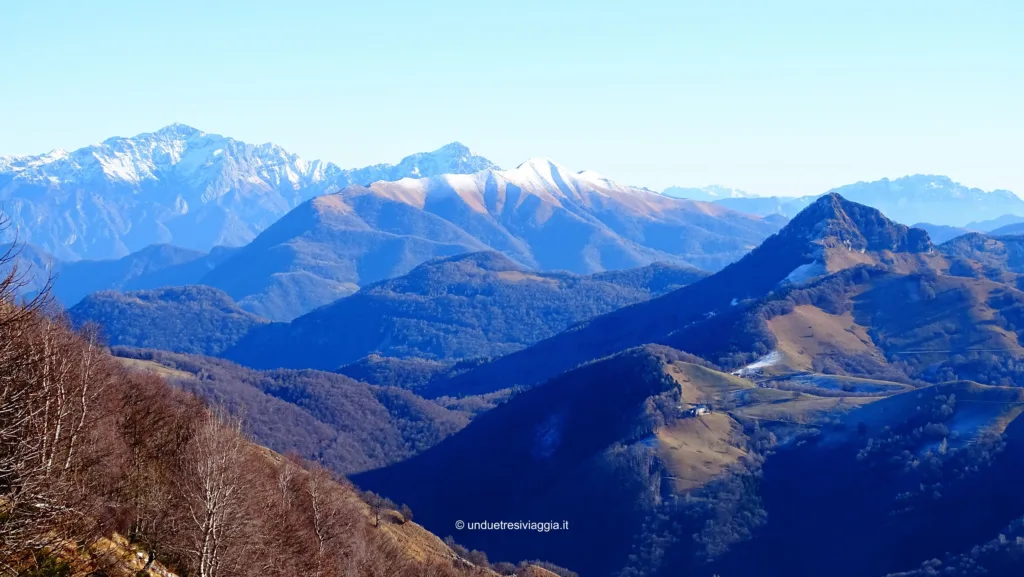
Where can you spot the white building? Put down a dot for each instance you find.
(697, 410)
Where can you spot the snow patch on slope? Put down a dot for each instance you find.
(771, 359)
(806, 272)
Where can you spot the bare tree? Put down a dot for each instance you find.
(212, 488)
(50, 381)
(155, 424)
(378, 505)
(331, 517)
(88, 448)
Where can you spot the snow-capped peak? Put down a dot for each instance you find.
(175, 131)
(454, 149)
(179, 130)
(544, 167)
(20, 163)
(594, 177)
(542, 173)
(178, 152)
(151, 179)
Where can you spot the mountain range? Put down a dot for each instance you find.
(940, 233)
(472, 305)
(840, 357)
(830, 235)
(178, 185)
(835, 393)
(910, 199)
(467, 306)
(1008, 225)
(283, 236)
(824, 386)
(539, 214)
(847, 383)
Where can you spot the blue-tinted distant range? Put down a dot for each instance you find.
(921, 198)
(910, 199)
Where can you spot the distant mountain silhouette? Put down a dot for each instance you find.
(1008, 230)
(994, 223)
(706, 193)
(155, 266)
(918, 198)
(940, 233)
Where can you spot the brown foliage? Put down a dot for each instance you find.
(88, 448)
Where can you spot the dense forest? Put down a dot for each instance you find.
(344, 424)
(472, 305)
(191, 319)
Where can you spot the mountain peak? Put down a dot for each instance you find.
(857, 226)
(452, 158)
(175, 131)
(454, 148)
(834, 233)
(178, 129)
(539, 164)
(180, 184)
(831, 203)
(541, 170)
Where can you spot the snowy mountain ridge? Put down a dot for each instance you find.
(536, 188)
(182, 151)
(181, 185)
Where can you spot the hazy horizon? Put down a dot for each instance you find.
(789, 99)
(509, 166)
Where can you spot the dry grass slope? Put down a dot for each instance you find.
(809, 332)
(154, 367)
(699, 449)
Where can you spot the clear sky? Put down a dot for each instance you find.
(780, 97)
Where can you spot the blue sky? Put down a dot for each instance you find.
(784, 97)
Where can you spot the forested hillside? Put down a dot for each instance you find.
(480, 304)
(191, 319)
(829, 236)
(106, 470)
(347, 425)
